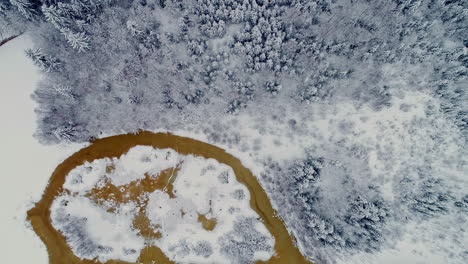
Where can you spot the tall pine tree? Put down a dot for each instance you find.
(78, 40)
(43, 61)
(30, 9)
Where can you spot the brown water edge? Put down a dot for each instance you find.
(136, 191)
(207, 223)
(115, 146)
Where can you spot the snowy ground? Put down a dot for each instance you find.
(201, 187)
(26, 164)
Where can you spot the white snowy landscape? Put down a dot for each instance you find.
(353, 116)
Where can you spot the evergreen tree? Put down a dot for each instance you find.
(54, 16)
(305, 173)
(43, 61)
(67, 132)
(322, 230)
(368, 218)
(64, 90)
(432, 199)
(4, 6)
(235, 106)
(78, 41)
(28, 8)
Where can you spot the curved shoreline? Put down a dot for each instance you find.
(115, 146)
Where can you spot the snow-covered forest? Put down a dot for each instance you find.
(353, 114)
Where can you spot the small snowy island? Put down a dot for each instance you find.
(99, 217)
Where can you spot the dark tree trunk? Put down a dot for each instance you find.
(4, 41)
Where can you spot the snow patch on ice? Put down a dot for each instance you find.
(92, 232)
(84, 177)
(140, 160)
(202, 187)
(198, 190)
(131, 166)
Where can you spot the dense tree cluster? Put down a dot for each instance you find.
(305, 173)
(241, 244)
(321, 49)
(203, 248)
(74, 228)
(431, 200)
(427, 196)
(272, 87)
(358, 223)
(369, 219)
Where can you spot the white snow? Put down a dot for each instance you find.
(26, 165)
(110, 230)
(84, 177)
(200, 188)
(198, 183)
(131, 166)
(140, 159)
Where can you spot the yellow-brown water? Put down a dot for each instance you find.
(115, 146)
(207, 223)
